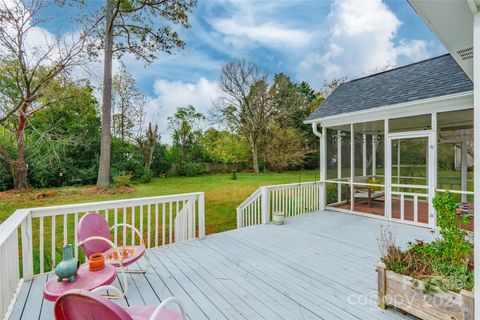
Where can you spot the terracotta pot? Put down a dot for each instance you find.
(96, 262)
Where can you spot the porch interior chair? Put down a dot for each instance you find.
(367, 193)
(82, 304)
(94, 236)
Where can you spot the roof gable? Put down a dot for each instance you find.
(430, 78)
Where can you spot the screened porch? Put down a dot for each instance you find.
(392, 168)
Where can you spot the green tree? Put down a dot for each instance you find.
(128, 105)
(130, 26)
(64, 139)
(25, 74)
(147, 145)
(244, 105)
(186, 134)
(224, 146)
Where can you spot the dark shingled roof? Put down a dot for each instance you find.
(421, 80)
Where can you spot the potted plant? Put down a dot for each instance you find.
(430, 280)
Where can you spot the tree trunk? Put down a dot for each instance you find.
(103, 180)
(18, 167)
(255, 158)
(149, 157)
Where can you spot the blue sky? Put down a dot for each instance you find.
(309, 40)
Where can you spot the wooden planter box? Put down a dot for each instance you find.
(406, 293)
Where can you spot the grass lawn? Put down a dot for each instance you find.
(222, 194)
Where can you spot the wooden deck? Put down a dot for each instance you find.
(316, 266)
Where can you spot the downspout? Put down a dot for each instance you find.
(323, 155)
(318, 134)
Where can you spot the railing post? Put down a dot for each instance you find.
(27, 251)
(265, 205)
(239, 218)
(201, 215)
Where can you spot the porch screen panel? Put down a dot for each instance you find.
(413, 123)
(338, 164)
(455, 160)
(410, 179)
(368, 184)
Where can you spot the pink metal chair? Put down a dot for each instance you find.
(81, 304)
(93, 235)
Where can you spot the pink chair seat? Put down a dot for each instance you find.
(144, 313)
(138, 253)
(81, 304)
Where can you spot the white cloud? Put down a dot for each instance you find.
(173, 94)
(252, 23)
(361, 39)
(237, 31)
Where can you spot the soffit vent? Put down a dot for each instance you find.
(466, 53)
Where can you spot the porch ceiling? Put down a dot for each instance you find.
(452, 23)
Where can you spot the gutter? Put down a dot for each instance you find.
(315, 130)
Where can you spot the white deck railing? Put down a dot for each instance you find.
(291, 199)
(43, 231)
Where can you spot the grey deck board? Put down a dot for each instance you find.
(328, 291)
(21, 300)
(213, 296)
(234, 300)
(266, 301)
(315, 266)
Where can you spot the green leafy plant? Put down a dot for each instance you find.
(234, 175)
(122, 179)
(444, 264)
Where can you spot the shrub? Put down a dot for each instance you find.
(445, 263)
(234, 175)
(189, 169)
(332, 193)
(146, 177)
(123, 179)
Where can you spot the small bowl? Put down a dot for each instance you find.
(96, 262)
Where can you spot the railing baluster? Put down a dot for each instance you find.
(170, 223)
(303, 199)
(259, 210)
(41, 246)
(115, 221)
(75, 222)
(133, 225)
(124, 227)
(54, 225)
(149, 223)
(275, 194)
(156, 224)
(141, 221)
(293, 199)
(184, 219)
(163, 224)
(65, 224)
(194, 223)
(276, 200)
(252, 207)
(310, 204)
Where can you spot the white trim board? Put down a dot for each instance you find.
(458, 101)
